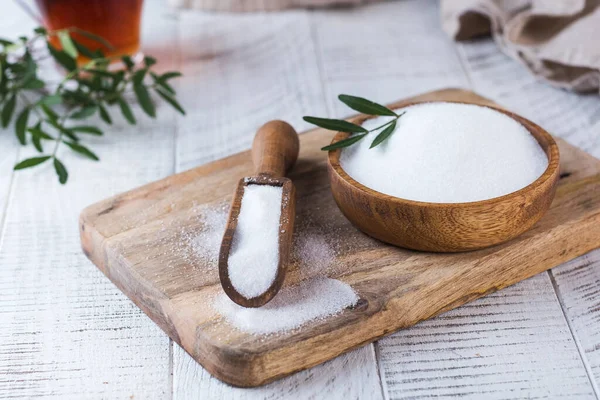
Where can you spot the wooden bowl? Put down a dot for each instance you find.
(446, 227)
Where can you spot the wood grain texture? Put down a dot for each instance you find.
(578, 286)
(274, 152)
(345, 377)
(66, 331)
(385, 58)
(570, 116)
(398, 288)
(445, 227)
(240, 72)
(258, 68)
(512, 344)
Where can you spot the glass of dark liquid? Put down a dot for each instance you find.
(117, 21)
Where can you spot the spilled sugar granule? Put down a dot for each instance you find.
(292, 307)
(207, 243)
(447, 153)
(313, 253)
(254, 254)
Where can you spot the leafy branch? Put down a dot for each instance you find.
(89, 88)
(366, 107)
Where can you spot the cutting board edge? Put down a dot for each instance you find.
(245, 363)
(99, 254)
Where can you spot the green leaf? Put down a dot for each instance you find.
(82, 150)
(37, 132)
(126, 111)
(85, 51)
(335, 125)
(52, 116)
(67, 44)
(7, 111)
(31, 162)
(365, 106)
(84, 112)
(5, 42)
(149, 61)
(92, 130)
(169, 99)
(170, 75)
(62, 58)
(95, 38)
(34, 84)
(144, 98)
(384, 134)
(101, 72)
(344, 143)
(21, 126)
(37, 143)
(40, 30)
(138, 76)
(70, 134)
(50, 100)
(61, 171)
(76, 97)
(160, 82)
(128, 62)
(30, 68)
(104, 114)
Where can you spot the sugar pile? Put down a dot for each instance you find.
(315, 298)
(447, 153)
(254, 254)
(292, 307)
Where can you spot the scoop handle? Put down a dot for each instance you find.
(275, 148)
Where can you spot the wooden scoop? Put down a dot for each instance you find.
(274, 152)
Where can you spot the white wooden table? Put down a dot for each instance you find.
(67, 333)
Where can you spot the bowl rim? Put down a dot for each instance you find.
(552, 153)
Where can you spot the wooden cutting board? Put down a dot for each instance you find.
(135, 238)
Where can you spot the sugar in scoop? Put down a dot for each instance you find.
(254, 254)
(447, 153)
(256, 245)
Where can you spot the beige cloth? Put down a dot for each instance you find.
(558, 40)
(260, 5)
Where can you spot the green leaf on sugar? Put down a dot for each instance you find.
(335, 125)
(384, 134)
(344, 143)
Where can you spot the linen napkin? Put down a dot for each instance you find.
(558, 40)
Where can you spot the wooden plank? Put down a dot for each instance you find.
(574, 117)
(384, 52)
(379, 62)
(241, 71)
(350, 376)
(13, 22)
(577, 283)
(67, 332)
(510, 344)
(283, 76)
(130, 238)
